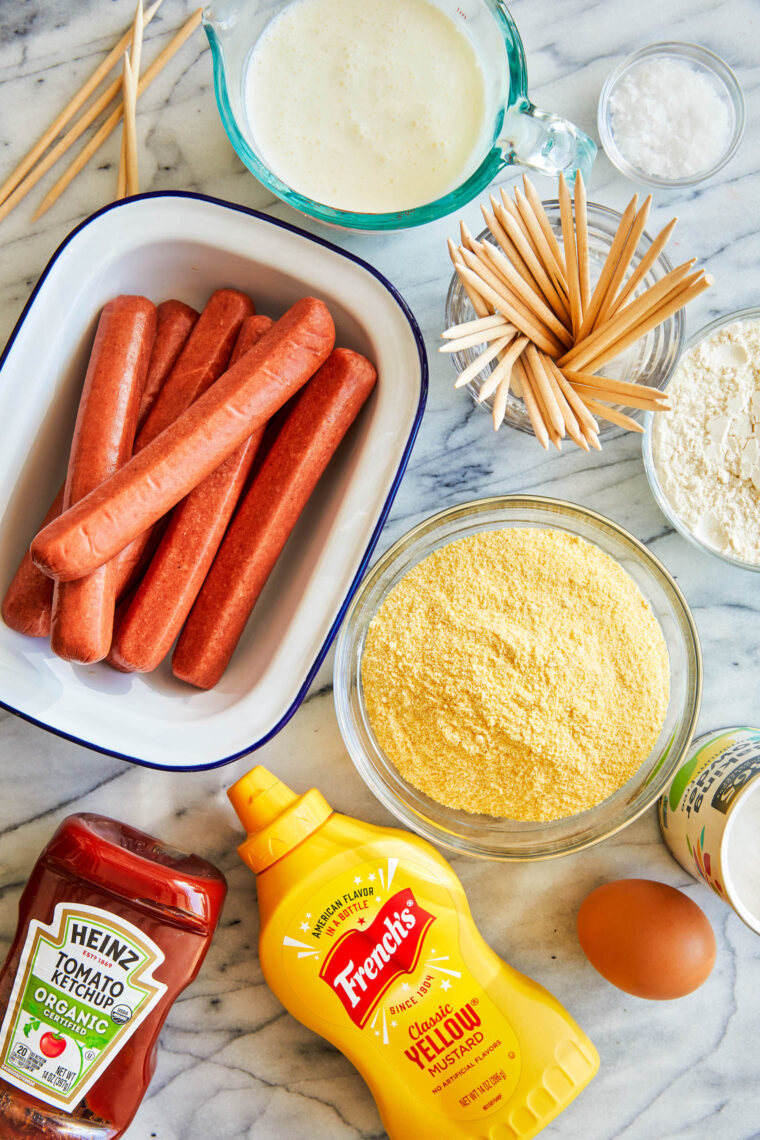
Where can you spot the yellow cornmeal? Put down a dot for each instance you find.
(518, 673)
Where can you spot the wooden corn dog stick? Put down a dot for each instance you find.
(542, 279)
(453, 332)
(545, 252)
(629, 249)
(503, 368)
(478, 260)
(499, 301)
(131, 78)
(543, 220)
(643, 267)
(554, 435)
(71, 108)
(113, 120)
(543, 389)
(572, 425)
(529, 298)
(517, 269)
(482, 309)
(571, 254)
(622, 387)
(505, 243)
(608, 268)
(632, 314)
(512, 210)
(50, 159)
(581, 239)
(479, 363)
(130, 127)
(502, 329)
(680, 297)
(608, 397)
(614, 417)
(531, 406)
(585, 419)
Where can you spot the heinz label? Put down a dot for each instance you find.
(84, 984)
(378, 947)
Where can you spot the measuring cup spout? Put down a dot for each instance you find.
(545, 142)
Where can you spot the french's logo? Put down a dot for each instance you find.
(364, 963)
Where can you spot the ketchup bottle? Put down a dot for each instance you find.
(113, 925)
(367, 938)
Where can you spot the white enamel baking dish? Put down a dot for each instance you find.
(186, 245)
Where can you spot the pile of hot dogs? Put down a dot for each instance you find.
(178, 497)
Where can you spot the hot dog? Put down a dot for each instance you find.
(164, 598)
(320, 418)
(29, 598)
(82, 615)
(97, 527)
(203, 359)
(174, 323)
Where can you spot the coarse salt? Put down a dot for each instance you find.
(669, 119)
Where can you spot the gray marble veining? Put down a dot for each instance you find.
(232, 1064)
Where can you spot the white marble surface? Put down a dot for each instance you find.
(232, 1063)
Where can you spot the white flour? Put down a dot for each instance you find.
(707, 449)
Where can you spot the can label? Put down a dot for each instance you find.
(693, 813)
(83, 986)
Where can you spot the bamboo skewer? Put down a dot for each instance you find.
(543, 388)
(500, 301)
(538, 319)
(60, 148)
(482, 309)
(631, 242)
(608, 268)
(130, 127)
(128, 181)
(541, 277)
(677, 300)
(571, 255)
(649, 301)
(495, 333)
(504, 241)
(611, 414)
(544, 250)
(538, 208)
(71, 108)
(534, 413)
(482, 323)
(503, 368)
(644, 266)
(620, 388)
(581, 237)
(529, 298)
(112, 122)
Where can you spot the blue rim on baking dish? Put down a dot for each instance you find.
(391, 307)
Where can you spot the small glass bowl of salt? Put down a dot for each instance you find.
(671, 114)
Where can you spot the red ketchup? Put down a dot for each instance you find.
(113, 925)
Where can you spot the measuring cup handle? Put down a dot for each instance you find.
(545, 142)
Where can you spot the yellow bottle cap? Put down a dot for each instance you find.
(275, 818)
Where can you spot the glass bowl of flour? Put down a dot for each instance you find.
(702, 458)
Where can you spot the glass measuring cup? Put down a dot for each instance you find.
(516, 132)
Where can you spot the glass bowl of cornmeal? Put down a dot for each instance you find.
(517, 678)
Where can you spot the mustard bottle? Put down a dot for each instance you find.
(367, 938)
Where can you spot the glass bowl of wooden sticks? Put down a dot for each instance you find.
(565, 318)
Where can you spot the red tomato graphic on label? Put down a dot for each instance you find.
(52, 1045)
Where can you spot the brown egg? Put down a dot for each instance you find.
(646, 938)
